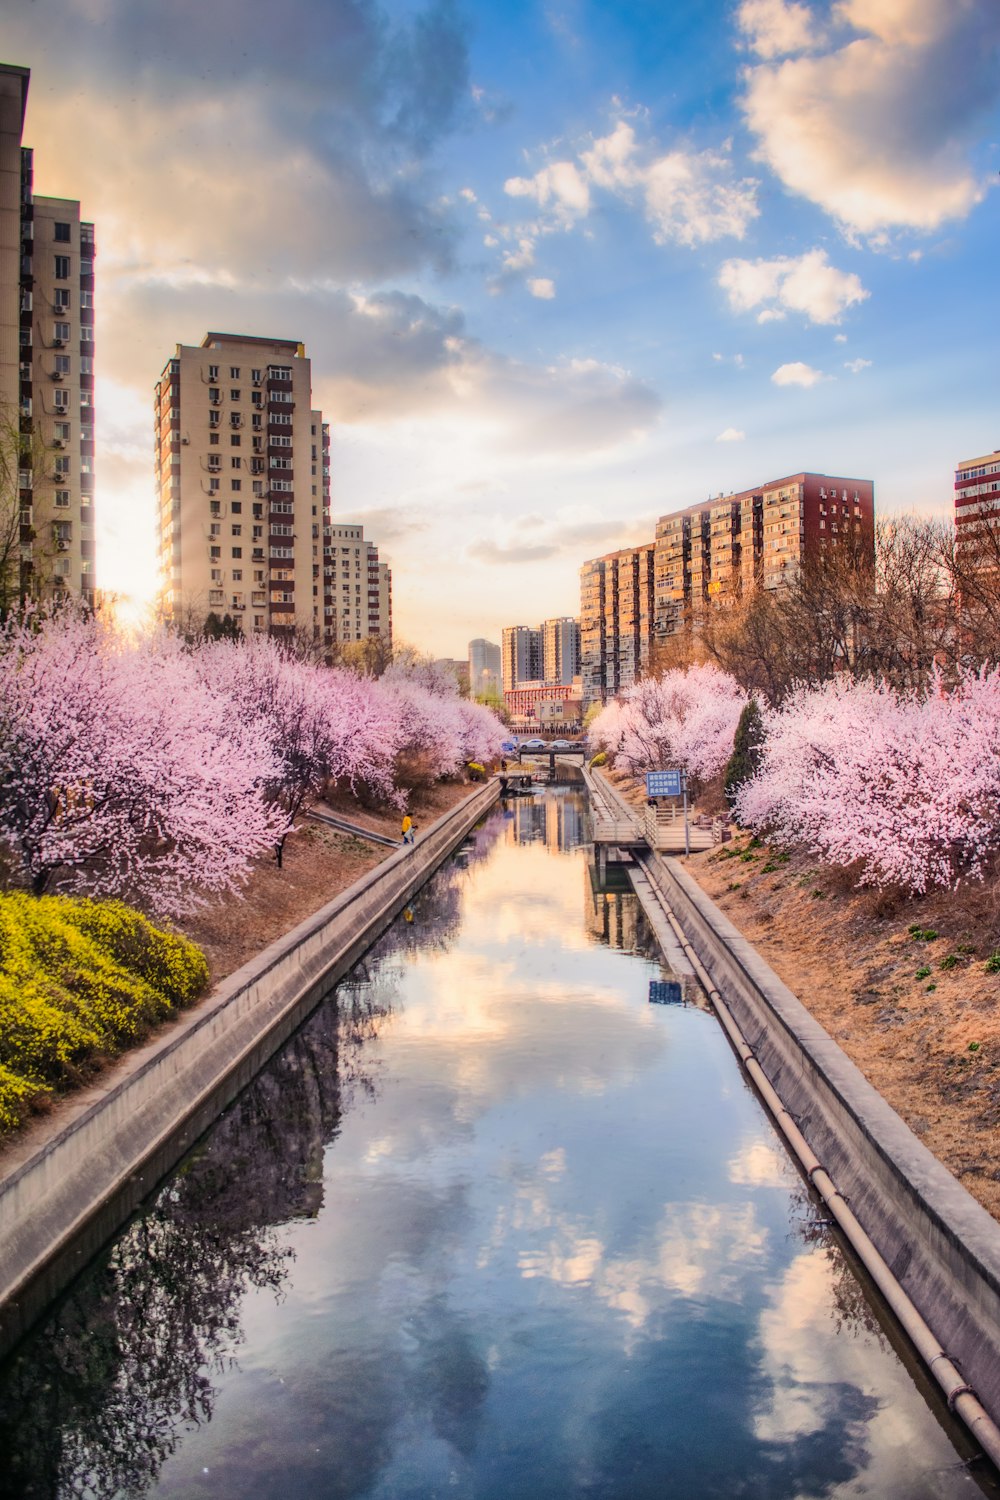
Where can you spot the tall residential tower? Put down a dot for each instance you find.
(46, 374)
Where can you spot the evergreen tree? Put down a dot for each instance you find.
(748, 742)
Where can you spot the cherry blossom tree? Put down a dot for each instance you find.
(120, 772)
(684, 718)
(907, 783)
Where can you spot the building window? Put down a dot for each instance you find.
(213, 372)
(237, 575)
(235, 463)
(213, 438)
(213, 485)
(62, 267)
(61, 298)
(215, 529)
(234, 442)
(60, 332)
(87, 368)
(234, 395)
(60, 400)
(86, 268)
(237, 551)
(86, 334)
(234, 372)
(63, 364)
(237, 507)
(62, 233)
(237, 485)
(62, 499)
(87, 300)
(237, 530)
(215, 553)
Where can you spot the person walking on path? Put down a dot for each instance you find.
(408, 837)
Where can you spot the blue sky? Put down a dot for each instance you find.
(560, 268)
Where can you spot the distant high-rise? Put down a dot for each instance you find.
(359, 597)
(46, 373)
(521, 655)
(560, 649)
(242, 463)
(616, 610)
(484, 666)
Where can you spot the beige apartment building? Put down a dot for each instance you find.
(46, 373)
(243, 476)
(359, 587)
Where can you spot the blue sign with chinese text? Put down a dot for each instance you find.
(663, 783)
(665, 992)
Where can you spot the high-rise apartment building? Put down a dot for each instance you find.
(710, 555)
(484, 666)
(616, 611)
(521, 653)
(243, 473)
(359, 587)
(560, 649)
(46, 372)
(977, 493)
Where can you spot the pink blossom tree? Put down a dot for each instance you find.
(903, 782)
(684, 718)
(120, 773)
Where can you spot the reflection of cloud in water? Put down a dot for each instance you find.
(759, 1164)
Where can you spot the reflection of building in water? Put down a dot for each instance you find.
(564, 822)
(555, 819)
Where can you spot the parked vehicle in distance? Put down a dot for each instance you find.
(560, 745)
(532, 744)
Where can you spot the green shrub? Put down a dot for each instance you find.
(992, 964)
(923, 971)
(922, 934)
(950, 961)
(80, 979)
(600, 759)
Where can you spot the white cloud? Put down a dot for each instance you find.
(797, 373)
(559, 185)
(776, 28)
(689, 197)
(857, 365)
(731, 435)
(840, 338)
(541, 286)
(877, 125)
(521, 258)
(468, 195)
(806, 283)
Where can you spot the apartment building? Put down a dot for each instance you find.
(243, 476)
(977, 493)
(46, 373)
(616, 613)
(560, 649)
(521, 655)
(359, 587)
(710, 555)
(484, 666)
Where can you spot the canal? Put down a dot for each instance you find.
(492, 1224)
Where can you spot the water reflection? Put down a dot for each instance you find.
(492, 1226)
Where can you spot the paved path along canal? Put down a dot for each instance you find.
(490, 1225)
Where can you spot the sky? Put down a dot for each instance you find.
(560, 267)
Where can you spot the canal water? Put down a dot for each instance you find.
(494, 1223)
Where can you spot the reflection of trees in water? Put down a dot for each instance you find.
(97, 1399)
(851, 1311)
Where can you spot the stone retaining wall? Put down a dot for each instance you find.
(941, 1245)
(60, 1202)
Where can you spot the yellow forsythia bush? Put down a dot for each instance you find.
(80, 979)
(600, 759)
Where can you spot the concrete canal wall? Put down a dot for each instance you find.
(940, 1244)
(61, 1200)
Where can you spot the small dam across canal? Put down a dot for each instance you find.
(491, 1224)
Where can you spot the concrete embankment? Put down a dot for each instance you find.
(62, 1197)
(940, 1246)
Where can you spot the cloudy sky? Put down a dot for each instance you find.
(560, 267)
